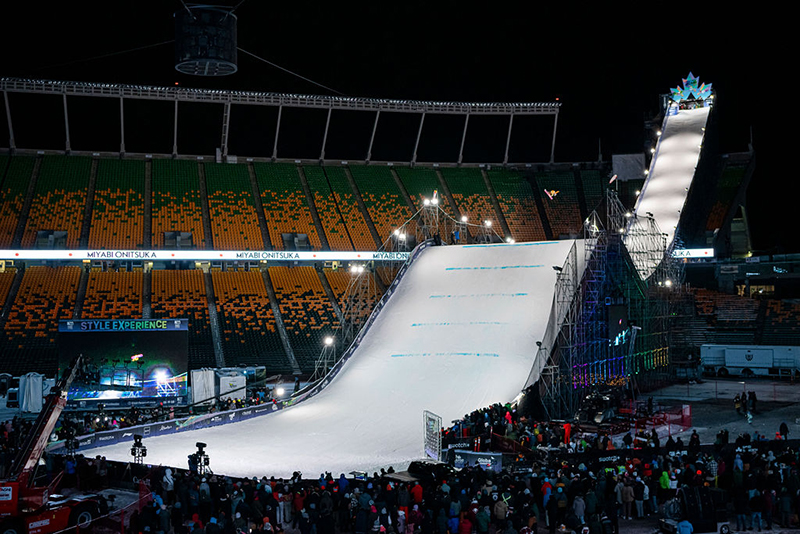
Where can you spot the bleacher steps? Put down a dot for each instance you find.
(363, 208)
(81, 295)
(12, 296)
(276, 311)
(86, 225)
(201, 173)
(26, 207)
(329, 292)
(213, 320)
(147, 228)
(147, 295)
(313, 208)
(403, 191)
(498, 211)
(259, 207)
(537, 198)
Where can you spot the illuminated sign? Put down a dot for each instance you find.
(691, 88)
(693, 253)
(202, 255)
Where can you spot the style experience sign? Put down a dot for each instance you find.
(202, 255)
(123, 325)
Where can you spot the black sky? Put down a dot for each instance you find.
(606, 66)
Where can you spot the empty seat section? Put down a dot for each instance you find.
(176, 203)
(59, 200)
(118, 213)
(470, 195)
(383, 199)
(247, 324)
(182, 295)
(6, 279)
(726, 193)
(13, 188)
(113, 295)
(780, 323)
(46, 295)
(353, 305)
(285, 205)
(234, 222)
(328, 209)
(307, 312)
(563, 211)
(515, 196)
(594, 188)
(421, 183)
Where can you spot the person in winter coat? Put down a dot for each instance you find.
(482, 520)
(465, 526)
(579, 509)
(452, 524)
(627, 501)
(168, 486)
(500, 512)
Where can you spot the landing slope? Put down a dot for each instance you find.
(458, 334)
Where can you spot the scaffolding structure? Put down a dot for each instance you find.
(626, 265)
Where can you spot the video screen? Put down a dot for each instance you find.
(125, 359)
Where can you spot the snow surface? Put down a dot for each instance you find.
(458, 334)
(667, 186)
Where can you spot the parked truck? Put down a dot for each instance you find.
(750, 360)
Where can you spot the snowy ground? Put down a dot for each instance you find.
(456, 336)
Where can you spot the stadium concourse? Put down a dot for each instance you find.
(455, 336)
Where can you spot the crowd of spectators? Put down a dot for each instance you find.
(761, 490)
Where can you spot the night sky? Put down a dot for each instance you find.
(607, 70)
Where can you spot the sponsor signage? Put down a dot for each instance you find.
(202, 255)
(123, 325)
(492, 461)
(693, 253)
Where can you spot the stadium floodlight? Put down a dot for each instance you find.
(509, 240)
(646, 172)
(658, 133)
(328, 341)
(463, 218)
(435, 201)
(488, 223)
(402, 236)
(279, 391)
(638, 192)
(653, 150)
(628, 215)
(396, 232)
(668, 283)
(426, 201)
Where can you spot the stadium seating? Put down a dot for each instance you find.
(328, 210)
(176, 201)
(515, 196)
(339, 281)
(471, 196)
(59, 201)
(726, 193)
(46, 295)
(285, 205)
(247, 324)
(781, 323)
(562, 211)
(594, 187)
(6, 279)
(344, 202)
(421, 182)
(118, 213)
(113, 295)
(306, 311)
(234, 222)
(182, 295)
(383, 200)
(16, 174)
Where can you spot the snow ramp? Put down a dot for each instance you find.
(672, 170)
(458, 333)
